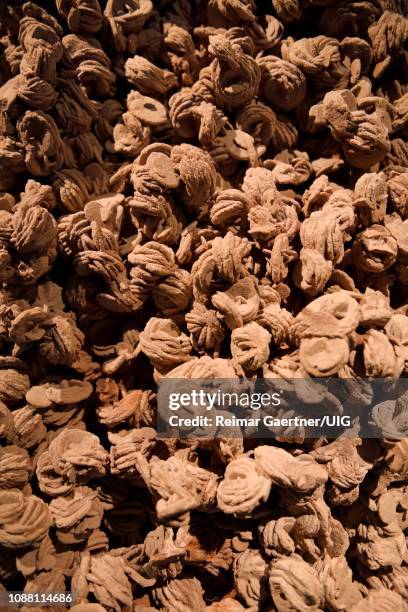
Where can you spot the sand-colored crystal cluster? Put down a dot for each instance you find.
(200, 189)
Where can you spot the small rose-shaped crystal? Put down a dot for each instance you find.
(242, 488)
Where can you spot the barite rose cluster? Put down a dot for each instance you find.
(205, 189)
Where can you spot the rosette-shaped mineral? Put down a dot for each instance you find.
(242, 488)
(24, 519)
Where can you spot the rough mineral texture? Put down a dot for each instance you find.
(200, 189)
